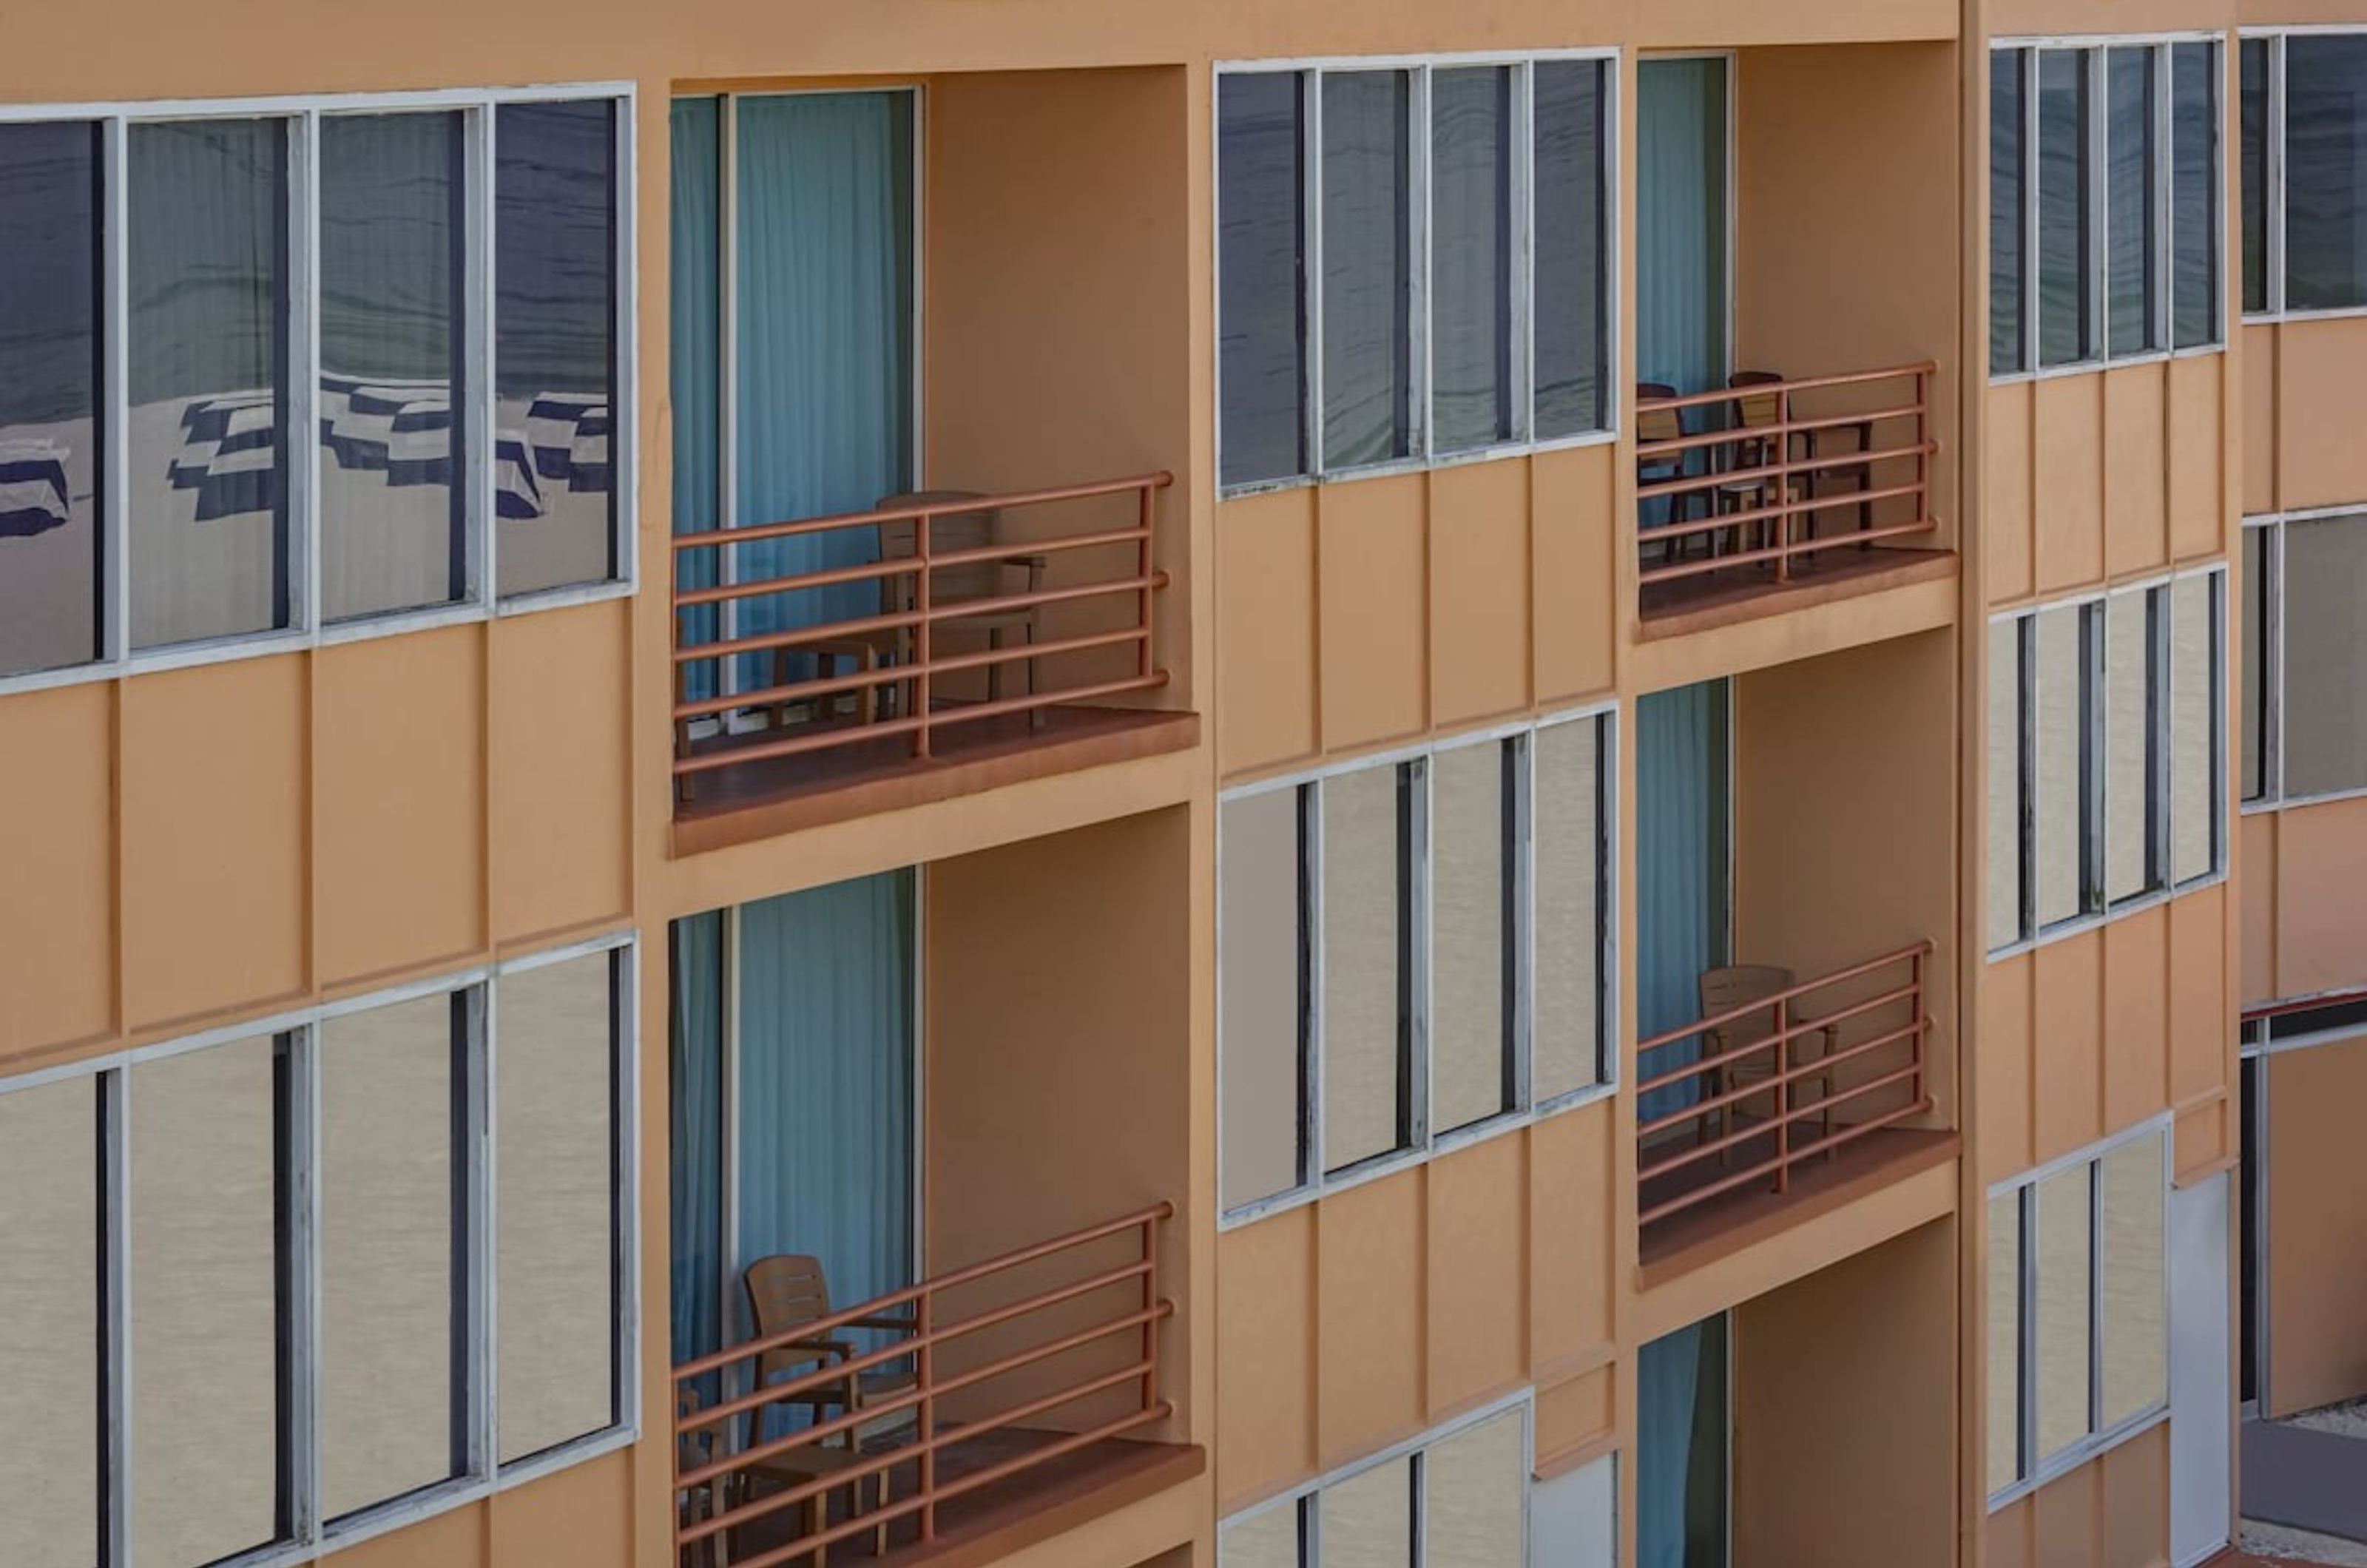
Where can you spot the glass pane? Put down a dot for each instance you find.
(390, 1298)
(1566, 827)
(2193, 727)
(1268, 1539)
(392, 522)
(2255, 677)
(1262, 244)
(2003, 1313)
(2059, 814)
(2252, 174)
(1364, 922)
(208, 439)
(2324, 719)
(1367, 1521)
(2194, 193)
(1259, 1002)
(554, 343)
(1475, 1495)
(2063, 1326)
(554, 1214)
(49, 399)
(1471, 1007)
(2004, 758)
(2326, 170)
(1571, 296)
(2009, 220)
(2133, 1289)
(1471, 256)
(2129, 765)
(2131, 220)
(1367, 272)
(50, 1458)
(206, 1345)
(2065, 278)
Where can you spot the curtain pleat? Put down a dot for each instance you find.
(1681, 793)
(1681, 285)
(694, 344)
(698, 1127)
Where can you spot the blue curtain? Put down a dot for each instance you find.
(697, 1165)
(1683, 792)
(695, 342)
(1680, 1448)
(1681, 180)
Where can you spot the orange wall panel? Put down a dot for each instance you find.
(2137, 1021)
(214, 832)
(2002, 1124)
(2200, 1144)
(1369, 1380)
(1570, 1230)
(2321, 893)
(2318, 1226)
(2068, 487)
(2256, 882)
(1373, 574)
(2260, 450)
(577, 1517)
(57, 868)
(2064, 1530)
(2006, 1536)
(1478, 1316)
(1480, 590)
(2065, 1029)
(1576, 1414)
(1575, 579)
(2006, 492)
(2320, 459)
(1264, 615)
(1265, 1356)
(456, 1540)
(2198, 455)
(2137, 508)
(2201, 1017)
(562, 824)
(2135, 1523)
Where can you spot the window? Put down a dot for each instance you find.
(2252, 174)
(2105, 746)
(1408, 948)
(2078, 1305)
(2305, 671)
(343, 394)
(2303, 167)
(1411, 263)
(285, 1242)
(2104, 197)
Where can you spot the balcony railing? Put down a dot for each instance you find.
(961, 606)
(1854, 1037)
(1746, 480)
(986, 1374)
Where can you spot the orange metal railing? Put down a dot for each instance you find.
(1767, 473)
(1766, 1068)
(898, 686)
(952, 1394)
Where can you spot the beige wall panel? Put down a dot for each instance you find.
(2136, 1021)
(2006, 1536)
(2002, 1125)
(2135, 1522)
(574, 1519)
(2260, 418)
(1265, 616)
(456, 1540)
(214, 823)
(1480, 590)
(1478, 1317)
(1373, 580)
(560, 821)
(2198, 455)
(1369, 1306)
(2064, 1526)
(2136, 506)
(2068, 486)
(2005, 493)
(2318, 1226)
(2256, 882)
(2068, 1047)
(1576, 1414)
(2320, 459)
(1575, 578)
(2202, 1021)
(2200, 1141)
(1265, 1356)
(1571, 1157)
(57, 868)
(2321, 897)
(399, 794)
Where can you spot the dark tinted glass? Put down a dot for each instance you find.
(2065, 280)
(2325, 171)
(2008, 215)
(1570, 292)
(2194, 195)
(1367, 270)
(1471, 256)
(2253, 176)
(1260, 250)
(2131, 220)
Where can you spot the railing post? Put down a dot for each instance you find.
(923, 527)
(1150, 1321)
(1915, 1041)
(1144, 557)
(1784, 486)
(1782, 1086)
(925, 1373)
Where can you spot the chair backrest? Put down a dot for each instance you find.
(693, 1450)
(973, 529)
(1738, 985)
(784, 1291)
(1657, 424)
(1763, 407)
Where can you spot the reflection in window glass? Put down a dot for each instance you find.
(2059, 816)
(2323, 721)
(2063, 1326)
(2130, 792)
(1262, 244)
(2131, 221)
(2252, 176)
(1259, 1001)
(2008, 218)
(2063, 275)
(2194, 192)
(1367, 271)
(50, 545)
(48, 1321)
(1471, 937)
(204, 1209)
(2003, 1313)
(387, 1181)
(2326, 170)
(1571, 294)
(555, 1270)
(1475, 1495)
(1471, 256)
(392, 519)
(2004, 761)
(1566, 992)
(2256, 662)
(554, 343)
(1366, 1070)
(1267, 1540)
(2132, 1289)
(208, 438)
(2193, 728)
(1367, 1520)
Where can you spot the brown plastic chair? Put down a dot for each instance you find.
(788, 1290)
(1758, 410)
(1662, 425)
(952, 532)
(696, 1450)
(1737, 985)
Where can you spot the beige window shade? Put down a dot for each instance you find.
(2132, 1285)
(49, 1323)
(2128, 736)
(1475, 1495)
(1258, 1000)
(1268, 1539)
(1363, 922)
(2325, 733)
(1566, 991)
(2063, 1326)
(2194, 720)
(2059, 806)
(2004, 1314)
(1470, 1005)
(2004, 886)
(1367, 1520)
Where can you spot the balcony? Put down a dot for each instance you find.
(953, 1420)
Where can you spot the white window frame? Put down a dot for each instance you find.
(2023, 52)
(1522, 347)
(2272, 249)
(1426, 1142)
(2272, 717)
(2034, 1473)
(484, 1474)
(306, 629)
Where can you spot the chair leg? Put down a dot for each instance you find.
(995, 671)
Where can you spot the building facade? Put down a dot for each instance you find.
(1224, 784)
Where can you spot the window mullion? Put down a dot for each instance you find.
(2025, 635)
(481, 1152)
(1418, 216)
(2162, 683)
(1520, 353)
(2272, 638)
(114, 393)
(305, 1271)
(2094, 62)
(483, 406)
(2026, 1198)
(1418, 922)
(303, 368)
(2095, 1296)
(1519, 867)
(2026, 63)
(2274, 134)
(1314, 1162)
(472, 396)
(2165, 155)
(116, 1239)
(1311, 117)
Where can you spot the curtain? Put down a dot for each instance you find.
(1683, 797)
(695, 344)
(1680, 1448)
(1681, 191)
(697, 1168)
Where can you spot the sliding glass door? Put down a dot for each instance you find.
(1683, 1448)
(1684, 290)
(1685, 804)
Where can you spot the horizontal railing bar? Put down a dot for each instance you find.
(793, 636)
(1794, 1030)
(900, 566)
(1787, 509)
(712, 538)
(1923, 948)
(1775, 389)
(1692, 483)
(1790, 1075)
(898, 674)
(1759, 1172)
(966, 713)
(1805, 548)
(1666, 445)
(937, 614)
(1696, 1152)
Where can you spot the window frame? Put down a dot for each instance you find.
(2272, 717)
(2272, 249)
(1426, 1141)
(474, 290)
(297, 1033)
(1522, 344)
(2095, 50)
